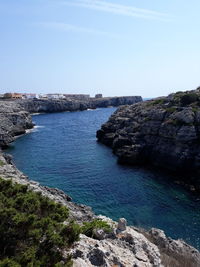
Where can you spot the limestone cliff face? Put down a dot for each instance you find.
(163, 132)
(50, 106)
(14, 121)
(37, 105)
(114, 101)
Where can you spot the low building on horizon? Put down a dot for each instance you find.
(13, 95)
(77, 96)
(55, 96)
(29, 96)
(98, 96)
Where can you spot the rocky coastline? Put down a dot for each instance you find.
(14, 122)
(163, 132)
(124, 246)
(70, 104)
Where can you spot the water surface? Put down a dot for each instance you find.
(62, 152)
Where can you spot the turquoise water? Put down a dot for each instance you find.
(62, 152)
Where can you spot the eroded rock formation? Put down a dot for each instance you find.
(163, 132)
(13, 122)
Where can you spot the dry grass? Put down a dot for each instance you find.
(176, 260)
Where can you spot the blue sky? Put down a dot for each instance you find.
(114, 47)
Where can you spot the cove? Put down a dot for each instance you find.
(62, 152)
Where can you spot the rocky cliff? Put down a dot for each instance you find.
(14, 121)
(163, 132)
(113, 101)
(39, 105)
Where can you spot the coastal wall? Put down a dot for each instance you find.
(163, 132)
(124, 246)
(38, 105)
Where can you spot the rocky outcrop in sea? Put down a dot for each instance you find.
(124, 246)
(162, 132)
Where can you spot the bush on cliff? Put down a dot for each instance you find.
(32, 232)
(188, 99)
(89, 228)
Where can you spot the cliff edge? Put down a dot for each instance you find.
(13, 122)
(163, 132)
(70, 104)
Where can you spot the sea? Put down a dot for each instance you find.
(62, 152)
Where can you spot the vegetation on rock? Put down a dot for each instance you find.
(32, 232)
(1, 163)
(188, 99)
(89, 228)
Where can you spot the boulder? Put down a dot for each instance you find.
(121, 225)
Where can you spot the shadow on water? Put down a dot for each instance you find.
(64, 154)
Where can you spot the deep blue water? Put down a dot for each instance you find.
(62, 152)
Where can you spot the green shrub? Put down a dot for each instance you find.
(159, 101)
(9, 263)
(195, 109)
(188, 99)
(1, 163)
(178, 95)
(151, 103)
(90, 227)
(32, 232)
(171, 109)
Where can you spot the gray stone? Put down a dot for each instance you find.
(121, 224)
(99, 234)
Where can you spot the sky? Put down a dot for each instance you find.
(114, 47)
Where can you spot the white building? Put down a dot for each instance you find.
(55, 96)
(42, 96)
(29, 96)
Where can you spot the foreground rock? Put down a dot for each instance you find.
(121, 251)
(125, 248)
(134, 248)
(163, 132)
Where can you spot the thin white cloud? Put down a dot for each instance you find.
(73, 28)
(118, 9)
